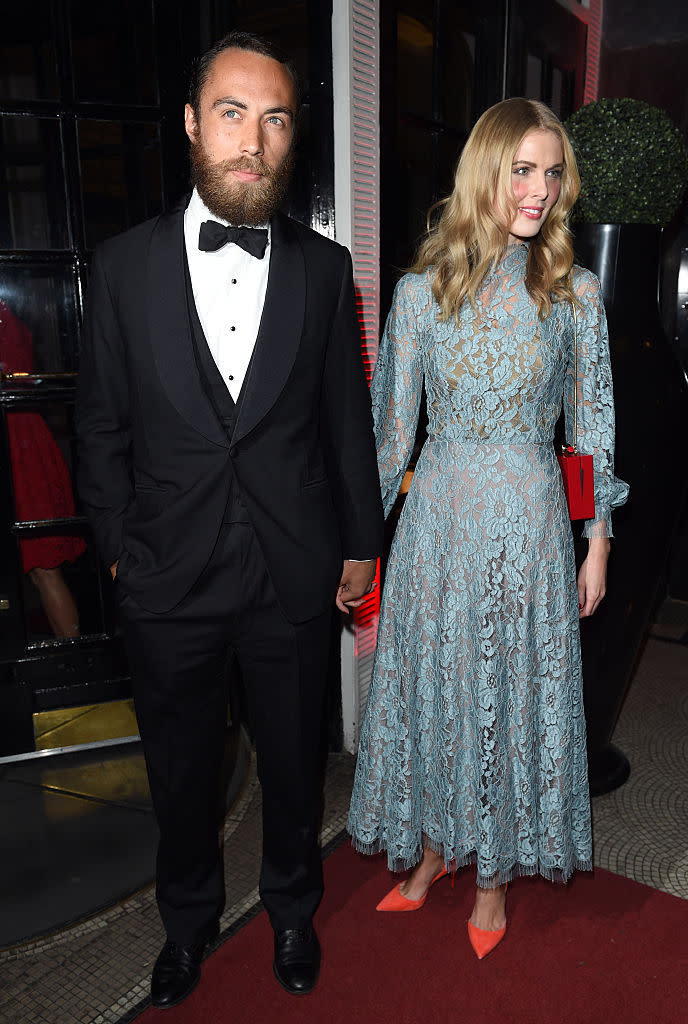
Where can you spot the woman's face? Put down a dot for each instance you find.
(536, 173)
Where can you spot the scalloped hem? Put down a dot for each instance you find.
(517, 870)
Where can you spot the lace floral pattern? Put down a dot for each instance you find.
(474, 735)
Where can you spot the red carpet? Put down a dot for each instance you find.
(602, 949)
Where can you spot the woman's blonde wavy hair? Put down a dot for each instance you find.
(470, 236)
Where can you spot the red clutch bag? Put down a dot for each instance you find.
(576, 469)
(577, 476)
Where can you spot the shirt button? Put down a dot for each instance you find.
(232, 328)
(234, 280)
(231, 377)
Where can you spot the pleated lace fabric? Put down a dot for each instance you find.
(473, 739)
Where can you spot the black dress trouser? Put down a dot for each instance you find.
(178, 664)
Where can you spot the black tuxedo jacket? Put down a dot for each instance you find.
(155, 463)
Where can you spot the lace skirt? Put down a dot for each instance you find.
(473, 740)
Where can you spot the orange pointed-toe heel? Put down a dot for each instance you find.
(482, 940)
(396, 902)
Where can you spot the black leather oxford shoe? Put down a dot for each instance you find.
(297, 959)
(176, 973)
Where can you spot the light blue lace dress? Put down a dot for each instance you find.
(474, 733)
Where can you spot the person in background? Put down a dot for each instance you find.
(473, 745)
(42, 488)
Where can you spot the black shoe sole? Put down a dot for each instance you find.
(288, 988)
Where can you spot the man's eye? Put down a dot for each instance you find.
(231, 114)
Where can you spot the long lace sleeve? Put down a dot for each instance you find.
(396, 389)
(595, 402)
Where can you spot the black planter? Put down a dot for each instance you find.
(651, 402)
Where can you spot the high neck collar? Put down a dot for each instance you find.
(517, 247)
(514, 255)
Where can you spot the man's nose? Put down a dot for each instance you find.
(252, 139)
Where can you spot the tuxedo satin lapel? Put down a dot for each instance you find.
(170, 328)
(280, 328)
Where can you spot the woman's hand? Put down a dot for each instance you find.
(592, 578)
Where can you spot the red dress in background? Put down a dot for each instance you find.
(42, 485)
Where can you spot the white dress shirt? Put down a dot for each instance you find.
(229, 290)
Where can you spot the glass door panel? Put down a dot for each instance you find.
(38, 324)
(121, 178)
(28, 58)
(33, 208)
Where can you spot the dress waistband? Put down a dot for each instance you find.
(476, 442)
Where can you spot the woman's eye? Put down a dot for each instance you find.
(556, 172)
(521, 170)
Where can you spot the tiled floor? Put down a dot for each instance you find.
(96, 972)
(641, 829)
(82, 834)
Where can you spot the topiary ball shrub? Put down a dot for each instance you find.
(632, 160)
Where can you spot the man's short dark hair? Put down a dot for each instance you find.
(239, 41)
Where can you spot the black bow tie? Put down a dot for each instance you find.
(213, 236)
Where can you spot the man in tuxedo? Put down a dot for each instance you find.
(227, 465)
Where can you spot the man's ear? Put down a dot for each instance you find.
(190, 123)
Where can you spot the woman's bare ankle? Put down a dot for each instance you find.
(420, 879)
(489, 910)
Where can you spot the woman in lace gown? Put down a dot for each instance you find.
(473, 744)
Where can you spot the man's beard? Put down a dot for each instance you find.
(237, 202)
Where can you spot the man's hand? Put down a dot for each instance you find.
(592, 578)
(357, 581)
(113, 568)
